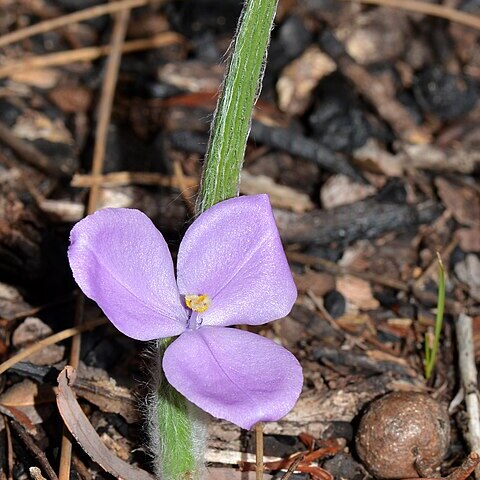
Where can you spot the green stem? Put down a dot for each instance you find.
(179, 430)
(177, 424)
(241, 87)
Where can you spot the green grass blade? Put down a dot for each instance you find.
(431, 358)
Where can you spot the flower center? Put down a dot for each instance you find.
(197, 303)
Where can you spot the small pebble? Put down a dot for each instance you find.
(335, 303)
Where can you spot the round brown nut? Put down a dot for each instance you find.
(403, 435)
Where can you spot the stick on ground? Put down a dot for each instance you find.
(259, 451)
(104, 114)
(468, 373)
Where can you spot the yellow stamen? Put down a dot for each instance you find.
(197, 303)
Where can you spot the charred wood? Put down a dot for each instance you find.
(365, 219)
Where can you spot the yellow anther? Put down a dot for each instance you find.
(197, 303)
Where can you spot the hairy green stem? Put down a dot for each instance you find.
(232, 120)
(178, 429)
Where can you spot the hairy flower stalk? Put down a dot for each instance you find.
(233, 115)
(174, 421)
(220, 181)
(231, 269)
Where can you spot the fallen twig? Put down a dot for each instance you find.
(30, 154)
(259, 451)
(104, 114)
(88, 54)
(297, 144)
(466, 468)
(468, 373)
(431, 9)
(57, 337)
(37, 452)
(118, 179)
(64, 20)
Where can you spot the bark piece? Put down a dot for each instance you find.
(12, 303)
(469, 238)
(299, 79)
(21, 230)
(340, 190)
(72, 99)
(462, 201)
(468, 272)
(362, 220)
(378, 36)
(32, 330)
(357, 291)
(281, 196)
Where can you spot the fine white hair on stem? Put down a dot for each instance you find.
(197, 419)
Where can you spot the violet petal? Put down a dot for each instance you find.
(233, 374)
(120, 260)
(233, 253)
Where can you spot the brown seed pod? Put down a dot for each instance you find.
(403, 435)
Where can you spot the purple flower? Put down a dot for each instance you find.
(231, 269)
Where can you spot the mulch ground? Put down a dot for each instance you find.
(366, 137)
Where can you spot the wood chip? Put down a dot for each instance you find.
(430, 157)
(42, 78)
(281, 196)
(84, 433)
(299, 79)
(468, 272)
(462, 201)
(12, 303)
(373, 157)
(36, 473)
(31, 330)
(229, 457)
(319, 283)
(377, 36)
(232, 474)
(469, 238)
(72, 99)
(27, 397)
(192, 76)
(358, 292)
(340, 190)
(62, 210)
(33, 125)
